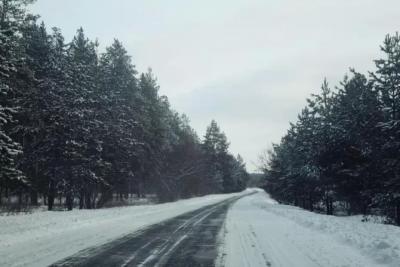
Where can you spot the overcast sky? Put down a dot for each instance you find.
(249, 64)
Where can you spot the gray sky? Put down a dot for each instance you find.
(249, 64)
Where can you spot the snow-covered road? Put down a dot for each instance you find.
(42, 238)
(260, 232)
(186, 240)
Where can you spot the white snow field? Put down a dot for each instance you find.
(260, 232)
(42, 238)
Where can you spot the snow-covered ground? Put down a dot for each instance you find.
(257, 232)
(260, 232)
(42, 238)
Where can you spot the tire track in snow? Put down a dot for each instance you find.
(186, 240)
(257, 236)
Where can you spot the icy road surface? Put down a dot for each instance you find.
(42, 238)
(186, 240)
(260, 232)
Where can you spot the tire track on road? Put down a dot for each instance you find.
(186, 240)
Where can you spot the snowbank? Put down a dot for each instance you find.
(378, 241)
(260, 232)
(42, 238)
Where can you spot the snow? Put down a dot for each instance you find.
(257, 232)
(260, 232)
(42, 238)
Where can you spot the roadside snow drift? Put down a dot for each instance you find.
(260, 232)
(42, 238)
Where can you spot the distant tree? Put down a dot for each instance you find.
(215, 148)
(225, 173)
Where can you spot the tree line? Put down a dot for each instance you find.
(344, 150)
(85, 127)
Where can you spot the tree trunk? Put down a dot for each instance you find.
(94, 199)
(88, 200)
(106, 195)
(397, 213)
(51, 196)
(69, 201)
(329, 206)
(50, 201)
(81, 199)
(296, 200)
(34, 197)
(20, 199)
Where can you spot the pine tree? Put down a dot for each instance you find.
(387, 82)
(119, 96)
(53, 96)
(222, 174)
(155, 115)
(36, 45)
(75, 125)
(12, 14)
(355, 137)
(83, 144)
(345, 145)
(213, 147)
